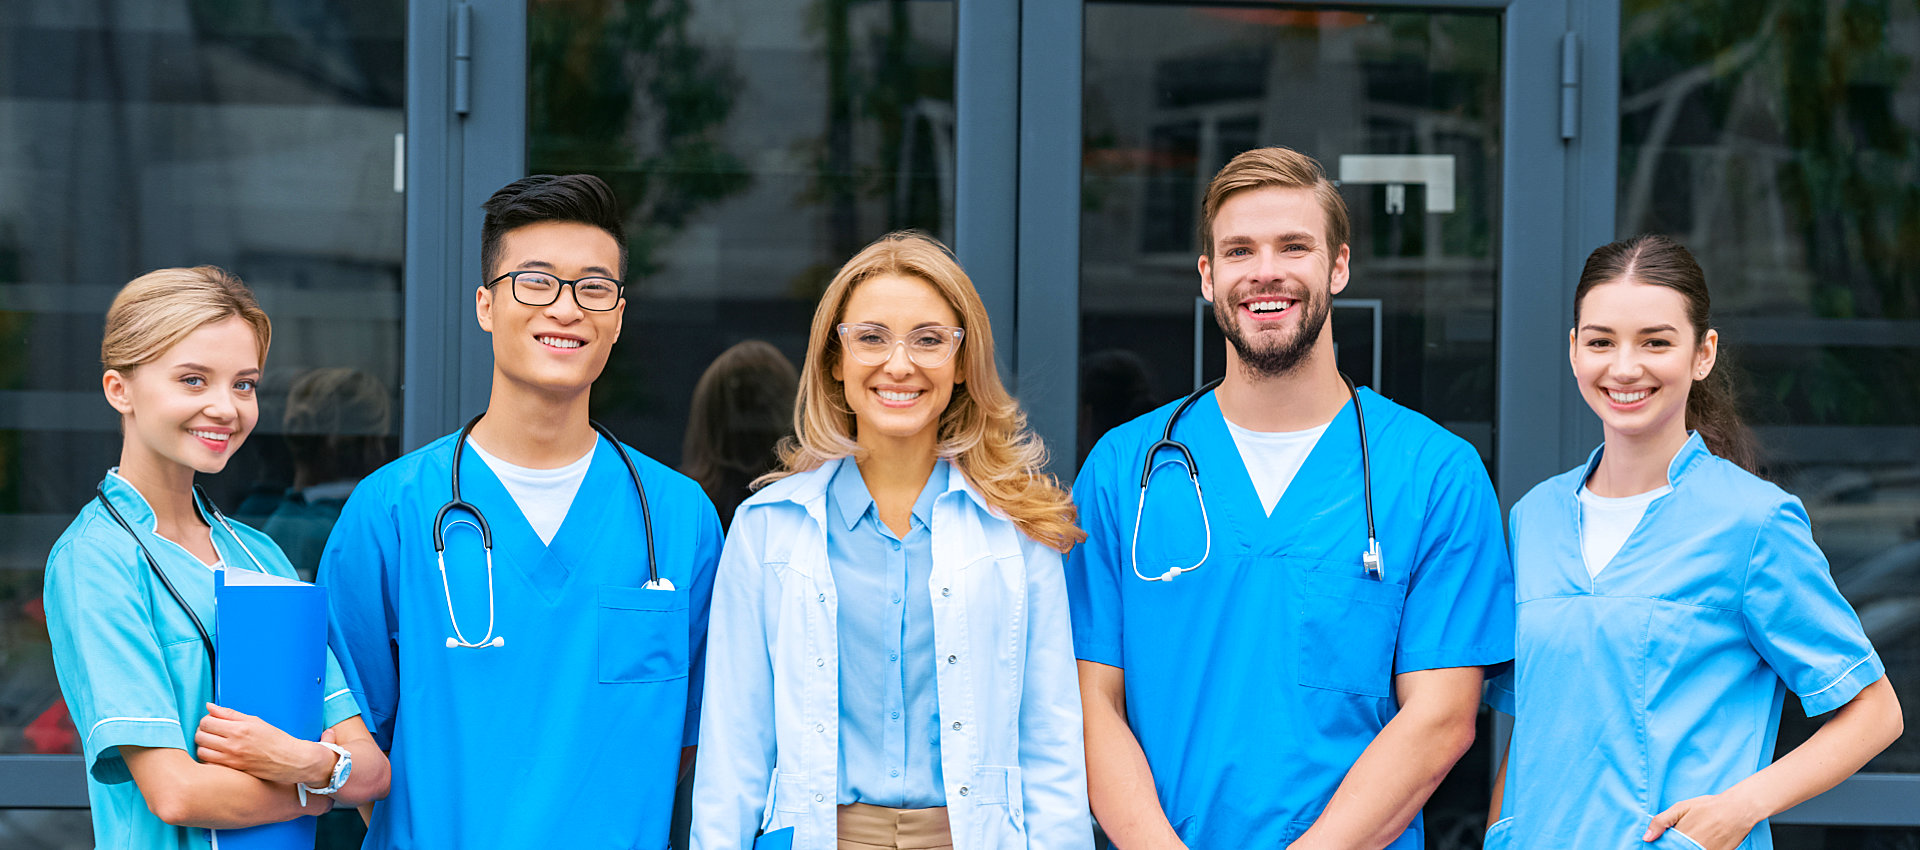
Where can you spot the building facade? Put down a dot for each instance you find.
(334, 154)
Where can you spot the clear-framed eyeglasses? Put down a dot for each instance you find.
(929, 347)
(538, 289)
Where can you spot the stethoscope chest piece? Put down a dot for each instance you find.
(478, 522)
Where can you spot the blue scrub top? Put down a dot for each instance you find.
(131, 667)
(889, 701)
(1662, 678)
(569, 734)
(1255, 681)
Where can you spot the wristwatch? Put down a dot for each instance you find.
(342, 769)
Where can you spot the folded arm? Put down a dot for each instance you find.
(184, 792)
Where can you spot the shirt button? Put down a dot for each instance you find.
(895, 544)
(896, 715)
(893, 656)
(953, 659)
(819, 727)
(956, 725)
(963, 790)
(821, 798)
(819, 662)
(946, 592)
(893, 773)
(896, 599)
(823, 597)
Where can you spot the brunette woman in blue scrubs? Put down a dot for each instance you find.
(1668, 599)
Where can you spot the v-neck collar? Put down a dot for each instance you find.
(133, 505)
(1690, 455)
(1238, 502)
(548, 566)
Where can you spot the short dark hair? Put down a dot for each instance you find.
(581, 198)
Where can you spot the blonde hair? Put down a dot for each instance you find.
(158, 309)
(1280, 168)
(983, 432)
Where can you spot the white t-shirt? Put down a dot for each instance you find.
(544, 495)
(1272, 458)
(1606, 522)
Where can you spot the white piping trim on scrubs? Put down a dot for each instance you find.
(336, 694)
(105, 721)
(1837, 680)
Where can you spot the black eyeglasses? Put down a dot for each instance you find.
(539, 289)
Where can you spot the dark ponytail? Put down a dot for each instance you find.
(1712, 408)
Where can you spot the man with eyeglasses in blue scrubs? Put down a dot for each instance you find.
(1255, 672)
(539, 687)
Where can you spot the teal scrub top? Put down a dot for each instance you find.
(1254, 682)
(1662, 678)
(130, 664)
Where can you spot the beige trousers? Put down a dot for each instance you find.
(864, 827)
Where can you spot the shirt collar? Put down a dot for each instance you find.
(855, 501)
(1691, 453)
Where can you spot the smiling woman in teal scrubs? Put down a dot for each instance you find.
(182, 357)
(1668, 598)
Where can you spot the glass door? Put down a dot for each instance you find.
(757, 144)
(1402, 108)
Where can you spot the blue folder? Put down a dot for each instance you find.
(779, 839)
(271, 636)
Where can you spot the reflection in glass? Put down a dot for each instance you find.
(757, 144)
(338, 429)
(1780, 141)
(742, 409)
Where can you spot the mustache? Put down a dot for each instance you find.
(1291, 294)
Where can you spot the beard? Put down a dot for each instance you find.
(1277, 356)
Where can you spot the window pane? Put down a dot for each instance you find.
(253, 135)
(757, 145)
(1175, 91)
(1783, 149)
(46, 829)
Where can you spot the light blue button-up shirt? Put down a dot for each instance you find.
(889, 704)
(1011, 758)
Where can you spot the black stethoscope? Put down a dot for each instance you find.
(1370, 560)
(479, 523)
(206, 640)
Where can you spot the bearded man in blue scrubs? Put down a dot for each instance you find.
(1249, 680)
(535, 686)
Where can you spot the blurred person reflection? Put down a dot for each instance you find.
(335, 427)
(742, 407)
(1115, 388)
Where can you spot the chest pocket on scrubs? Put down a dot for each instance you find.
(643, 634)
(1346, 628)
